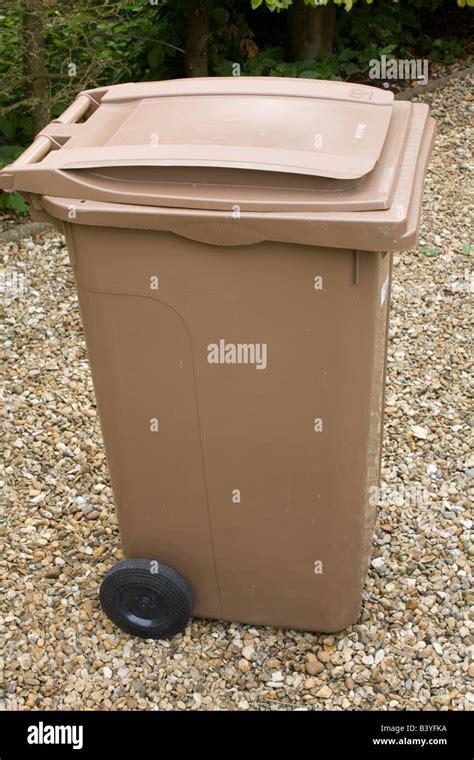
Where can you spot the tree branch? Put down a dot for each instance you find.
(14, 106)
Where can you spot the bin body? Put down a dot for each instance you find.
(238, 361)
(254, 473)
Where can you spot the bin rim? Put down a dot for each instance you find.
(383, 230)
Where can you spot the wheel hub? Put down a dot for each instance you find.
(142, 606)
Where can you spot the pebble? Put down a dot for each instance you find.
(324, 692)
(277, 676)
(54, 572)
(313, 668)
(378, 562)
(419, 432)
(324, 657)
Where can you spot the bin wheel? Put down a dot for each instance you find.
(146, 599)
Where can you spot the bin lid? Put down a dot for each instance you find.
(393, 229)
(283, 153)
(261, 143)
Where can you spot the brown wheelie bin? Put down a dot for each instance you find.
(231, 240)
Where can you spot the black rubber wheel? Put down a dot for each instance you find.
(146, 599)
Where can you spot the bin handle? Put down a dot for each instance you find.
(43, 142)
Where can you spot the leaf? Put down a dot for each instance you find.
(14, 202)
(223, 68)
(156, 56)
(307, 65)
(9, 153)
(8, 126)
(220, 16)
(324, 72)
(428, 250)
(352, 68)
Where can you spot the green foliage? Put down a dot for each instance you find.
(327, 66)
(445, 51)
(279, 5)
(428, 250)
(87, 45)
(232, 39)
(282, 5)
(12, 201)
(272, 5)
(9, 153)
(400, 29)
(119, 41)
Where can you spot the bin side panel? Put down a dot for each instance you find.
(383, 265)
(142, 367)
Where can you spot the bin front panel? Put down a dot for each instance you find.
(259, 362)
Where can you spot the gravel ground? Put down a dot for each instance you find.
(410, 648)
